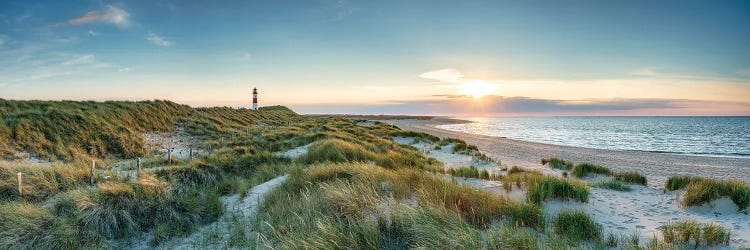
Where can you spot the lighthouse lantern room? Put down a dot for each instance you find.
(255, 99)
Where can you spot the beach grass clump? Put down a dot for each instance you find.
(614, 185)
(544, 188)
(472, 172)
(510, 237)
(576, 226)
(680, 182)
(558, 163)
(692, 232)
(631, 177)
(699, 191)
(582, 170)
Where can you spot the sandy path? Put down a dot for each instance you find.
(246, 208)
(658, 167)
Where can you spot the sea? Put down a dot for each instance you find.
(705, 136)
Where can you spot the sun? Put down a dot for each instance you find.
(477, 89)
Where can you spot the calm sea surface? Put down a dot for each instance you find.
(709, 136)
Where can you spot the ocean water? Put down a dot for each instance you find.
(707, 136)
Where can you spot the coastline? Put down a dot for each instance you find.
(657, 166)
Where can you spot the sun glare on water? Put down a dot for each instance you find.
(477, 89)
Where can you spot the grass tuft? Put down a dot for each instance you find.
(576, 226)
(584, 169)
(614, 185)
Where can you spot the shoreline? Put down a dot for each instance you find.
(657, 166)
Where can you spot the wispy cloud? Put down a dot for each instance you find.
(93, 33)
(158, 40)
(111, 14)
(80, 60)
(124, 70)
(443, 75)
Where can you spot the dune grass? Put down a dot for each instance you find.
(473, 172)
(558, 163)
(699, 191)
(363, 206)
(631, 177)
(76, 131)
(549, 187)
(42, 181)
(614, 185)
(582, 170)
(690, 232)
(576, 225)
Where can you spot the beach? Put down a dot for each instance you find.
(657, 166)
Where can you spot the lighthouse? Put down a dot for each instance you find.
(255, 99)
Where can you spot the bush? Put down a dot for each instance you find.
(576, 226)
(584, 169)
(547, 187)
(631, 177)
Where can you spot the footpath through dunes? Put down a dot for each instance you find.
(657, 166)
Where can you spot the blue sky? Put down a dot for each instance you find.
(434, 57)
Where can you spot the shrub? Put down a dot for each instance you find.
(614, 185)
(558, 163)
(631, 177)
(576, 226)
(547, 187)
(584, 169)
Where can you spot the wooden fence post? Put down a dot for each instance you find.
(190, 153)
(138, 165)
(169, 156)
(93, 171)
(20, 183)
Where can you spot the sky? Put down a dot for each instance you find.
(461, 58)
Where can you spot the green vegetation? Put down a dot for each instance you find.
(614, 185)
(558, 163)
(690, 232)
(699, 191)
(576, 226)
(584, 169)
(473, 172)
(74, 131)
(631, 177)
(549, 187)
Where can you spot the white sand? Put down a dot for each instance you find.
(294, 153)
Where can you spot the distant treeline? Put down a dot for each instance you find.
(76, 130)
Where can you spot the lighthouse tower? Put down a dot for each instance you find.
(255, 99)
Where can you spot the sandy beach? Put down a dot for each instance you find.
(657, 166)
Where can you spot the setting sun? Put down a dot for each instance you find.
(477, 89)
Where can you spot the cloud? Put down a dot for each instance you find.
(93, 33)
(81, 60)
(111, 14)
(443, 75)
(124, 70)
(246, 56)
(500, 105)
(158, 40)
